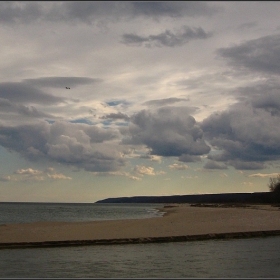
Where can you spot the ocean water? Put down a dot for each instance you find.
(236, 258)
(71, 212)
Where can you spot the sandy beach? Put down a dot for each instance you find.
(179, 220)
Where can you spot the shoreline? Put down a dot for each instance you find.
(179, 223)
(184, 238)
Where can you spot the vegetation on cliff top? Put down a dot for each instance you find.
(274, 187)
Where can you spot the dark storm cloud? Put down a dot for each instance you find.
(169, 131)
(265, 96)
(247, 134)
(242, 165)
(10, 108)
(211, 164)
(189, 158)
(269, 103)
(262, 54)
(61, 82)
(25, 93)
(164, 102)
(92, 11)
(17, 12)
(80, 145)
(173, 9)
(167, 38)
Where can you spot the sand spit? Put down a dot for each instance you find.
(232, 235)
(181, 222)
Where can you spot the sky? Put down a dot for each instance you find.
(106, 99)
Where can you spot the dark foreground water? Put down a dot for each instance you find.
(239, 258)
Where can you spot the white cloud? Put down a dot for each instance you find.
(29, 175)
(143, 170)
(155, 158)
(264, 175)
(118, 173)
(58, 176)
(176, 166)
(28, 171)
(146, 170)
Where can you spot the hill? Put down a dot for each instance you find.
(256, 197)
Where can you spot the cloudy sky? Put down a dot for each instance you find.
(109, 99)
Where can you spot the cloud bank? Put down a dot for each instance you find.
(90, 12)
(80, 145)
(167, 38)
(169, 131)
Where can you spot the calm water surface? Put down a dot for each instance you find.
(71, 212)
(240, 258)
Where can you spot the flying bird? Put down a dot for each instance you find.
(67, 87)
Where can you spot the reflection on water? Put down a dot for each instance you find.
(239, 258)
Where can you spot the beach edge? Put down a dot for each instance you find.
(142, 240)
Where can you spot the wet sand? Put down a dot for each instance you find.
(181, 222)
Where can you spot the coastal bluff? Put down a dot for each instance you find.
(255, 197)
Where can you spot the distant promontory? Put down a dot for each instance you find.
(256, 197)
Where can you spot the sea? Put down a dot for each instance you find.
(234, 258)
